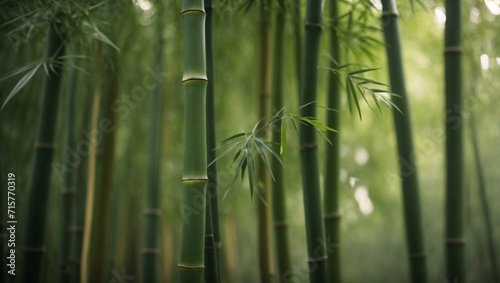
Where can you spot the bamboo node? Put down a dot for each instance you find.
(46, 146)
(318, 259)
(281, 224)
(33, 250)
(152, 212)
(334, 216)
(194, 180)
(304, 146)
(455, 241)
(453, 49)
(417, 256)
(194, 79)
(314, 25)
(388, 14)
(193, 11)
(190, 267)
(150, 251)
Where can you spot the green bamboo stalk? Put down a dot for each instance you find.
(151, 250)
(69, 190)
(44, 148)
(212, 231)
(332, 166)
(194, 180)
(81, 184)
(316, 246)
(90, 191)
(297, 29)
(484, 200)
(402, 122)
(455, 242)
(278, 186)
(266, 263)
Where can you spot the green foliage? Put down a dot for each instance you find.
(248, 145)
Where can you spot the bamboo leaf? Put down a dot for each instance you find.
(258, 145)
(250, 170)
(20, 84)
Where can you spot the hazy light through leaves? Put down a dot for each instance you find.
(364, 201)
(493, 6)
(485, 62)
(440, 14)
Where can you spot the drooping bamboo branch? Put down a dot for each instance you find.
(278, 186)
(402, 122)
(308, 146)
(44, 150)
(455, 242)
(152, 212)
(212, 231)
(194, 180)
(332, 166)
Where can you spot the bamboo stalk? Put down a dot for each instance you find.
(455, 242)
(297, 29)
(266, 263)
(406, 151)
(194, 180)
(212, 231)
(332, 166)
(484, 201)
(69, 190)
(91, 179)
(152, 213)
(280, 221)
(308, 146)
(44, 149)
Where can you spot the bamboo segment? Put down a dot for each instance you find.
(69, 190)
(278, 186)
(308, 146)
(455, 242)
(191, 263)
(152, 213)
(266, 262)
(44, 150)
(332, 166)
(406, 151)
(212, 234)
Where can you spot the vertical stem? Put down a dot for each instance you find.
(69, 190)
(484, 200)
(278, 186)
(89, 204)
(263, 177)
(332, 167)
(455, 243)
(194, 180)
(212, 233)
(152, 213)
(44, 151)
(316, 246)
(297, 29)
(406, 152)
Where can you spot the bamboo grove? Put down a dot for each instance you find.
(133, 132)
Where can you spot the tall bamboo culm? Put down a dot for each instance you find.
(191, 263)
(402, 122)
(264, 211)
(44, 150)
(332, 166)
(280, 222)
(455, 242)
(308, 146)
(212, 230)
(69, 189)
(152, 213)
